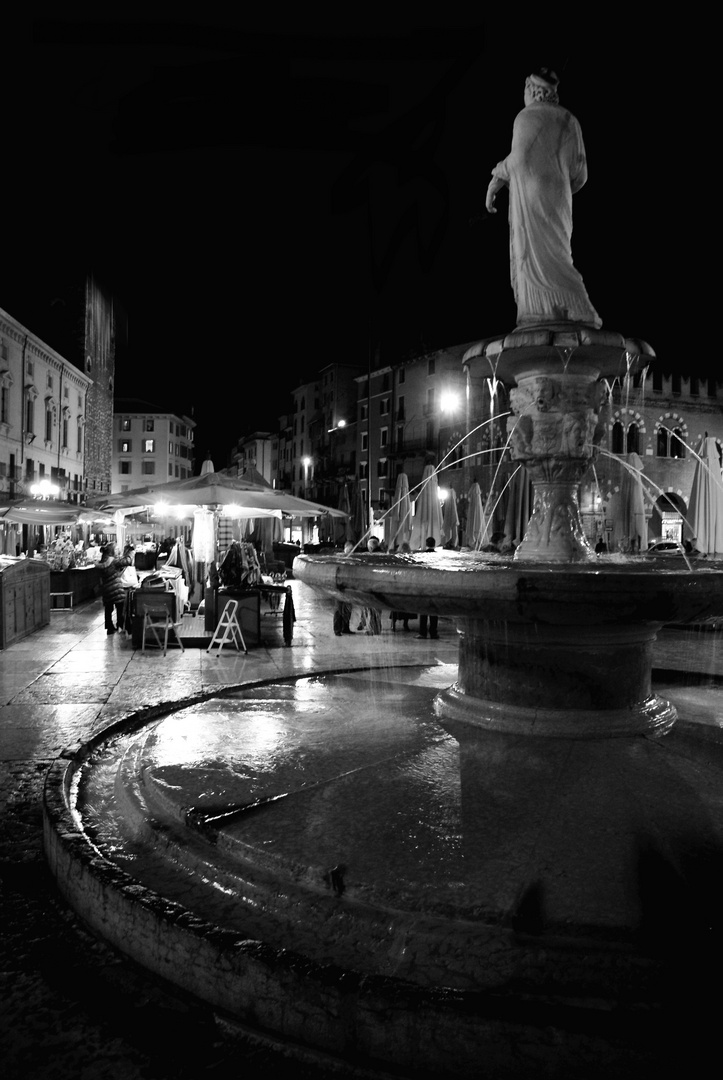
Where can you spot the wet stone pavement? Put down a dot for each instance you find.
(71, 1007)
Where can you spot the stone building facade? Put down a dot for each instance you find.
(99, 353)
(149, 445)
(43, 411)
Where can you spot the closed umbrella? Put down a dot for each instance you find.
(398, 522)
(705, 510)
(627, 511)
(345, 532)
(476, 524)
(427, 519)
(266, 532)
(207, 466)
(358, 519)
(519, 506)
(450, 519)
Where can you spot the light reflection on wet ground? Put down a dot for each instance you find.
(438, 839)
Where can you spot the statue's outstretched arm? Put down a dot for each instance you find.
(494, 186)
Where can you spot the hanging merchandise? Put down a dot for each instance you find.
(226, 534)
(204, 536)
(61, 553)
(240, 567)
(180, 557)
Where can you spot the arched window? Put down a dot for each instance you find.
(677, 444)
(618, 438)
(671, 441)
(633, 441)
(662, 448)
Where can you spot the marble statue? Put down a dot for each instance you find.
(543, 170)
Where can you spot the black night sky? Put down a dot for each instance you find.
(265, 196)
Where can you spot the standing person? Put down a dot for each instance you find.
(403, 616)
(373, 614)
(433, 620)
(342, 608)
(111, 567)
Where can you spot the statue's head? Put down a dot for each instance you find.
(541, 85)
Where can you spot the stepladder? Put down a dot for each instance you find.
(228, 630)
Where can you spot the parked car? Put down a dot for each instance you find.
(665, 547)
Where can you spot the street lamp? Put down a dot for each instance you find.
(306, 462)
(332, 471)
(45, 490)
(449, 401)
(448, 405)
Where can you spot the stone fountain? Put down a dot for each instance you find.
(569, 879)
(540, 637)
(553, 700)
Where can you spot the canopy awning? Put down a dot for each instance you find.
(218, 490)
(40, 512)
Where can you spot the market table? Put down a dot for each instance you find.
(82, 582)
(249, 609)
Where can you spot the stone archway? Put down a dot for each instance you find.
(668, 517)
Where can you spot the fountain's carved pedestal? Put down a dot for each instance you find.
(553, 676)
(560, 372)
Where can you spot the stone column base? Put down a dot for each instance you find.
(561, 681)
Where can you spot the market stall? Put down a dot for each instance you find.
(227, 512)
(24, 597)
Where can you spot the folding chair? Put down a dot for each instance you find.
(228, 631)
(157, 622)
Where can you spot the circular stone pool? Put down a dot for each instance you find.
(319, 859)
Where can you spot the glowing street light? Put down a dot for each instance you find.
(449, 401)
(45, 490)
(306, 462)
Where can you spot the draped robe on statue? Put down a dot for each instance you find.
(545, 167)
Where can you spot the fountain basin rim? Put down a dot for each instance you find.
(527, 348)
(465, 585)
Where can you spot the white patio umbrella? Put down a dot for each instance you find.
(705, 509)
(29, 511)
(627, 509)
(219, 489)
(358, 522)
(450, 519)
(398, 522)
(475, 533)
(427, 511)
